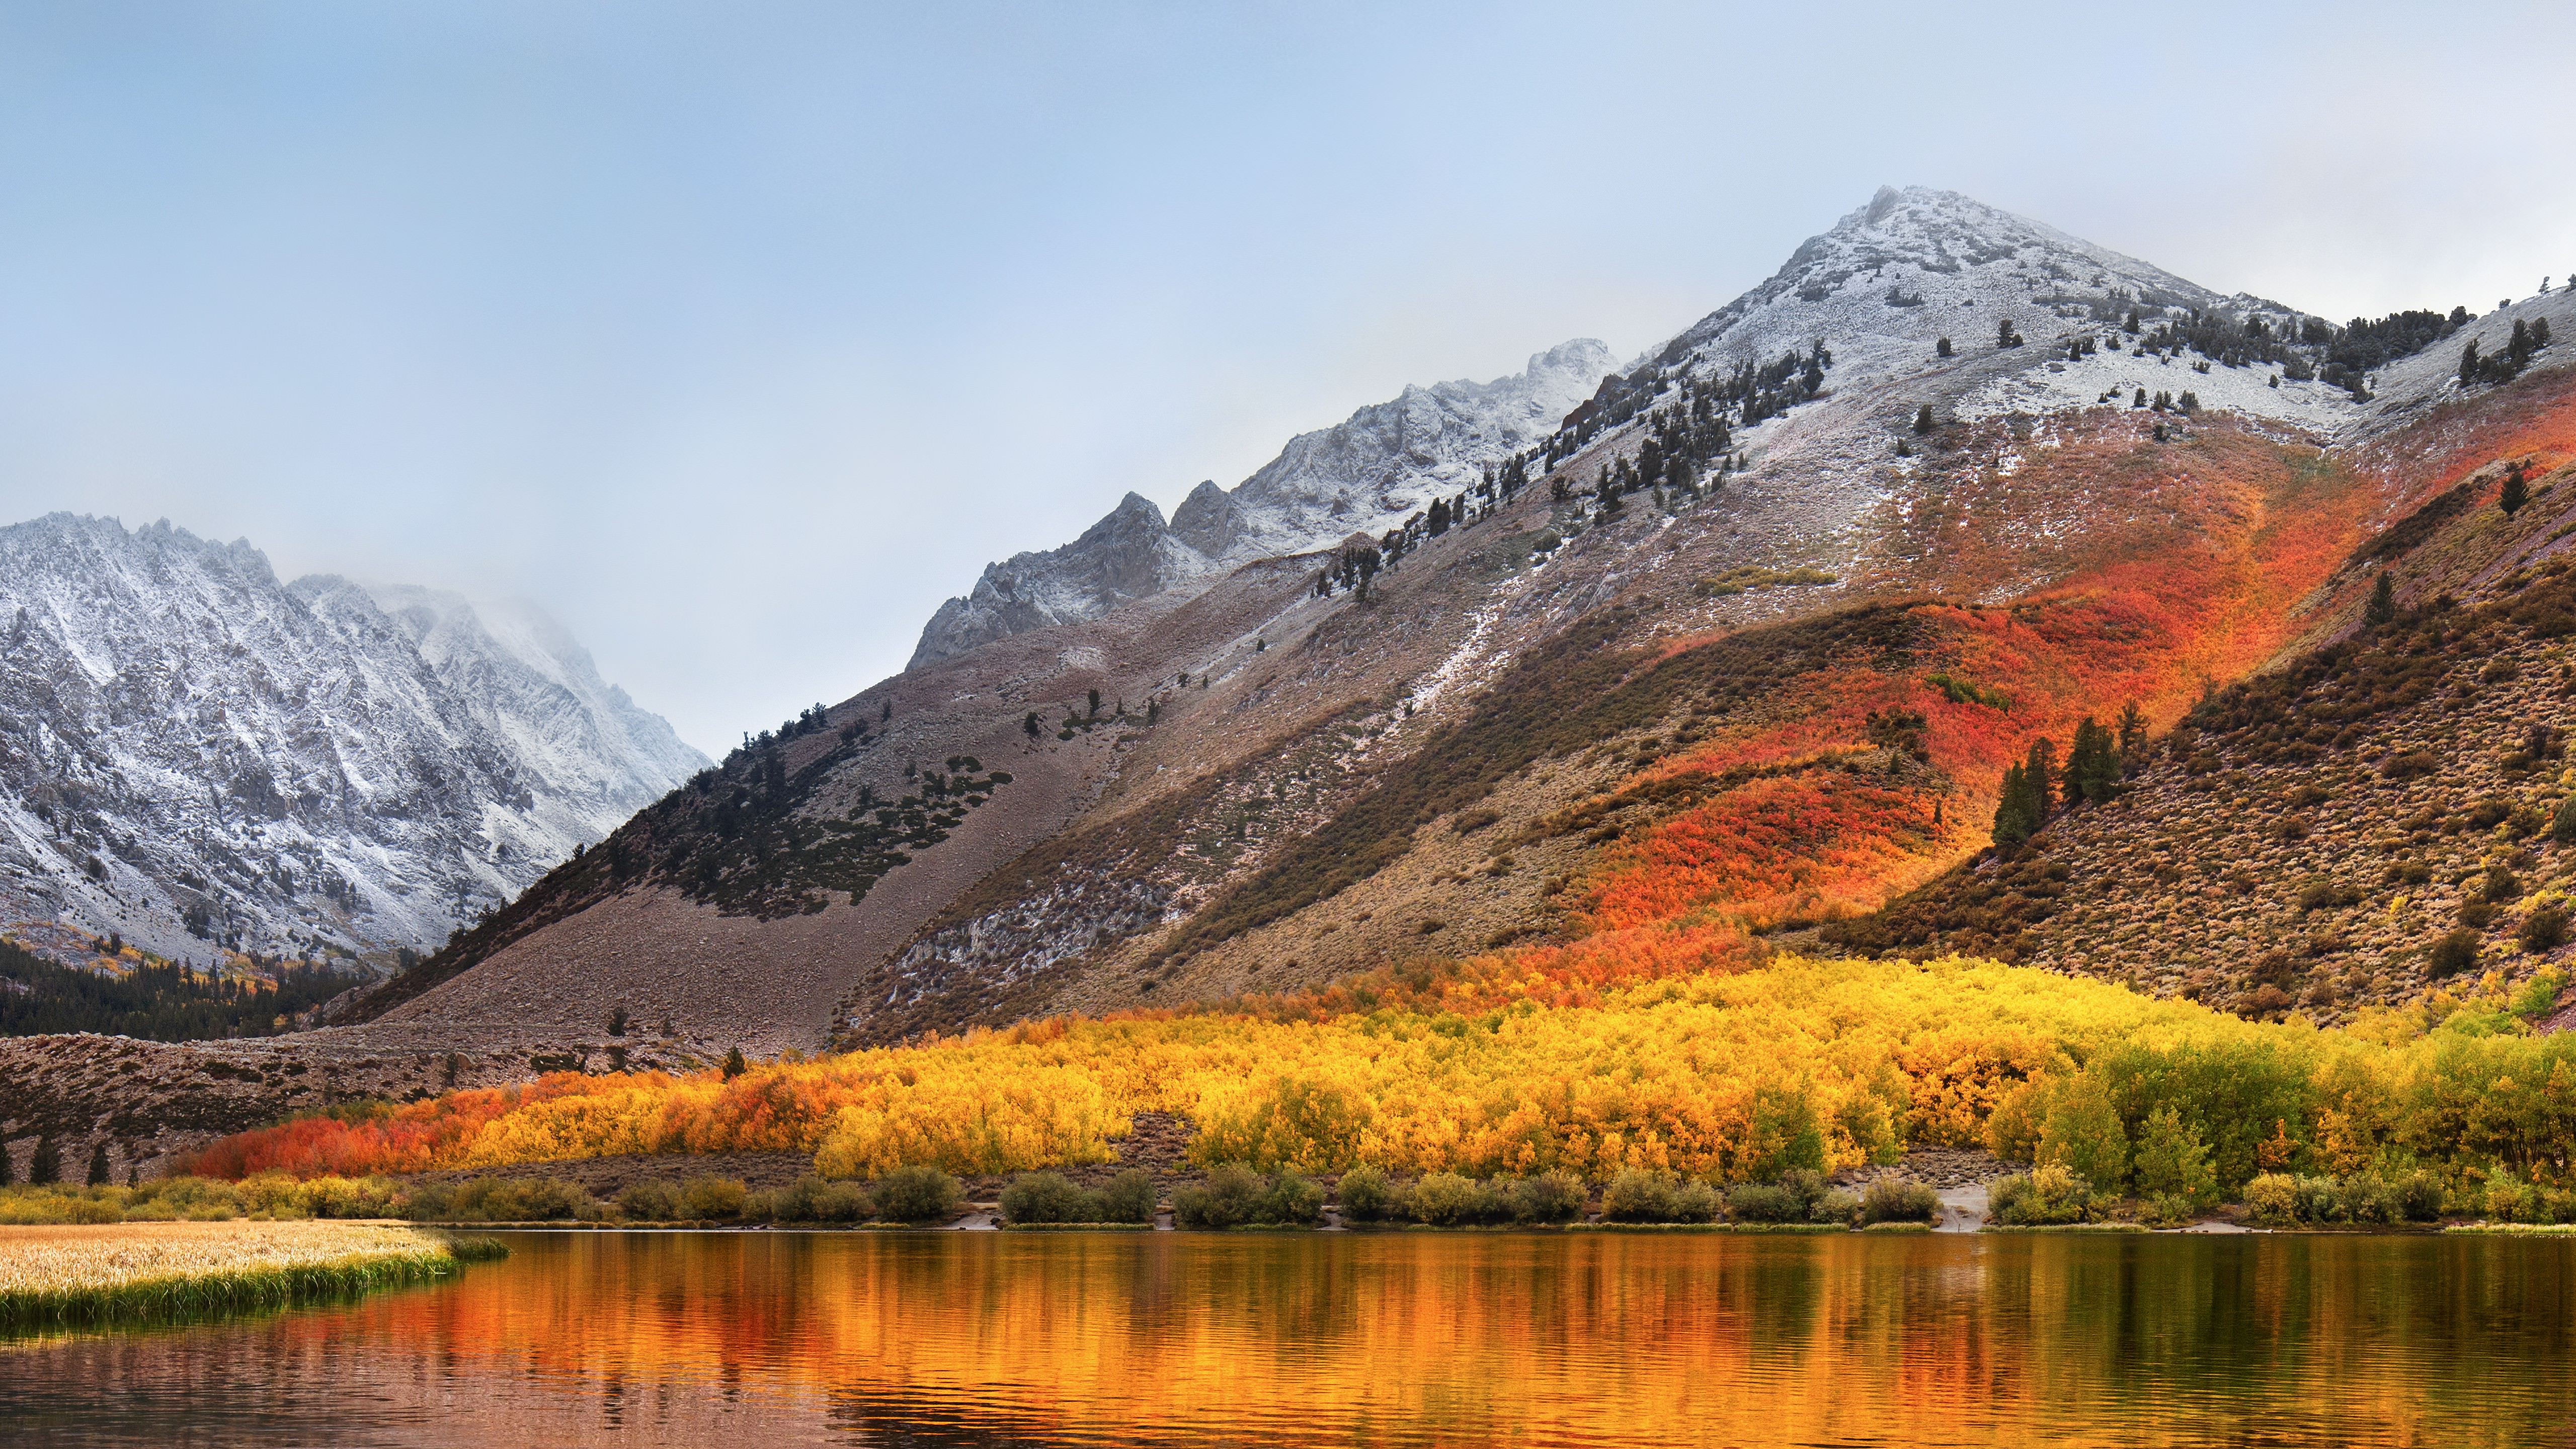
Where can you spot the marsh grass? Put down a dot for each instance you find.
(162, 1273)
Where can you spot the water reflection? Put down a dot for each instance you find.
(935, 1339)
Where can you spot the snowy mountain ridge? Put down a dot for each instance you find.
(197, 756)
(1363, 475)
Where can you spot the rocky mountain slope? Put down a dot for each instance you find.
(1739, 648)
(1361, 476)
(201, 759)
(1239, 728)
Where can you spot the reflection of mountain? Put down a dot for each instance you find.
(198, 755)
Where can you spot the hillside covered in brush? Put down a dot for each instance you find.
(1743, 649)
(2367, 819)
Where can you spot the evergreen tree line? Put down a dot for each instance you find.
(2039, 788)
(2528, 338)
(154, 1002)
(1710, 403)
(1357, 564)
(2311, 349)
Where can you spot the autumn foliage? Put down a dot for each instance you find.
(1665, 1036)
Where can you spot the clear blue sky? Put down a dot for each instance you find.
(740, 335)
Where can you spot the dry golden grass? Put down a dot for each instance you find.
(112, 1255)
(165, 1271)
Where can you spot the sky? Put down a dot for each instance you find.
(739, 336)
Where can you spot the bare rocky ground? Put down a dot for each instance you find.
(151, 1102)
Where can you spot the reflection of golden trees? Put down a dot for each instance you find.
(1509, 1338)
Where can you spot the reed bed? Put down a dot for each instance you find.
(165, 1272)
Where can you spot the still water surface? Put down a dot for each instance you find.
(925, 1339)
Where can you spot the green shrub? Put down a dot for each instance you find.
(2319, 1199)
(500, 1200)
(1695, 1202)
(1294, 1198)
(2545, 929)
(1049, 1197)
(809, 1199)
(2508, 1201)
(1834, 1206)
(712, 1199)
(918, 1195)
(2419, 1196)
(1232, 1196)
(1638, 1196)
(2281, 1200)
(1366, 1196)
(1446, 1200)
(650, 1201)
(2368, 1198)
(1227, 1197)
(1765, 1203)
(1550, 1197)
(59, 1204)
(2049, 1193)
(1891, 1200)
(2454, 953)
(343, 1197)
(2272, 1199)
(196, 1199)
(1129, 1198)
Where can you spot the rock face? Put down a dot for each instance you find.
(1365, 475)
(199, 757)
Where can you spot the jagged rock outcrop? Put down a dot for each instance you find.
(1366, 474)
(197, 756)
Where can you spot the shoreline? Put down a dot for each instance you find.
(146, 1273)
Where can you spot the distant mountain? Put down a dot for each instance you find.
(1364, 475)
(196, 756)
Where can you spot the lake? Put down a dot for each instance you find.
(946, 1338)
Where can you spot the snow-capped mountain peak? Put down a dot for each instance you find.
(194, 755)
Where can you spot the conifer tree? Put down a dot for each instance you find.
(2039, 772)
(98, 1164)
(1923, 419)
(2092, 763)
(1942, 348)
(2382, 608)
(2013, 823)
(2133, 736)
(734, 1065)
(2516, 492)
(45, 1167)
(9, 1171)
